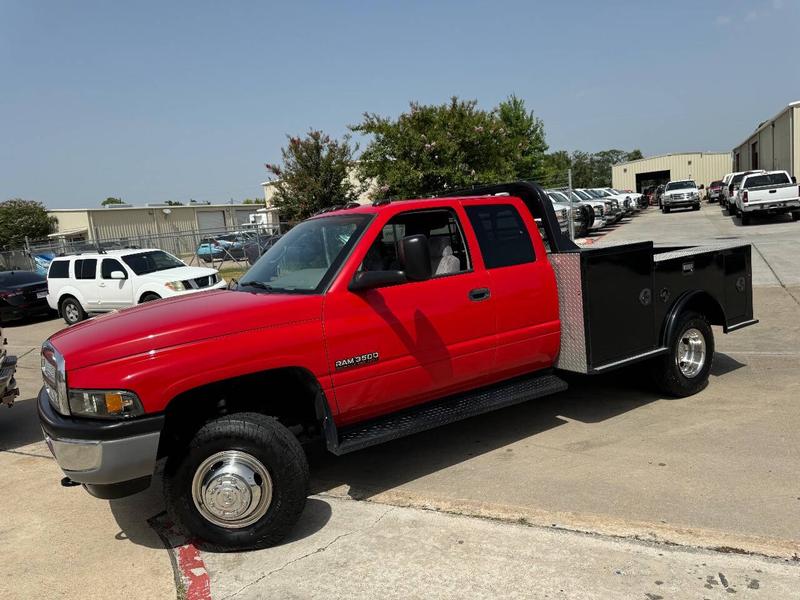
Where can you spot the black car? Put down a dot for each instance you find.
(22, 294)
(256, 247)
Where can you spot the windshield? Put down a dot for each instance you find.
(716, 184)
(150, 262)
(307, 257)
(15, 278)
(597, 193)
(581, 195)
(681, 185)
(766, 180)
(558, 197)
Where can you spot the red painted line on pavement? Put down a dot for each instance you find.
(194, 573)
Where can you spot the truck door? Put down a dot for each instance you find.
(395, 346)
(522, 285)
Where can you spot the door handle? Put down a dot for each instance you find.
(102, 284)
(479, 294)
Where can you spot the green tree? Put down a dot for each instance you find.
(525, 140)
(253, 201)
(111, 200)
(588, 169)
(23, 218)
(432, 148)
(314, 175)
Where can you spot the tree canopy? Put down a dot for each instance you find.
(432, 148)
(20, 219)
(111, 200)
(314, 174)
(588, 169)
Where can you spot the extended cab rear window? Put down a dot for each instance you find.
(59, 269)
(766, 180)
(502, 235)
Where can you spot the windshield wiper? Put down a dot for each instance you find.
(257, 284)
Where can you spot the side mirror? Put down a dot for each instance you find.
(118, 275)
(702, 187)
(794, 179)
(368, 280)
(415, 256)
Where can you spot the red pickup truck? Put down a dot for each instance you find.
(362, 325)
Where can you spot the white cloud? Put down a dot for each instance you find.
(722, 20)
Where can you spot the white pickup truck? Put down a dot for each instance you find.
(768, 193)
(680, 194)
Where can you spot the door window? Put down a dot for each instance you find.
(502, 235)
(448, 250)
(108, 266)
(86, 268)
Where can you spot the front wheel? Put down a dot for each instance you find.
(684, 369)
(796, 216)
(696, 207)
(72, 311)
(241, 483)
(149, 297)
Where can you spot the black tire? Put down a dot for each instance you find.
(745, 218)
(666, 209)
(667, 373)
(796, 216)
(696, 207)
(265, 439)
(149, 297)
(71, 310)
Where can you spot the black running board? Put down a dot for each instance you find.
(442, 412)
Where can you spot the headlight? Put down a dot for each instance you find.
(176, 286)
(104, 404)
(54, 374)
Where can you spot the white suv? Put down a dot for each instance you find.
(102, 282)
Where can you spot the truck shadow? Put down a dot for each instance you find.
(19, 425)
(372, 471)
(724, 364)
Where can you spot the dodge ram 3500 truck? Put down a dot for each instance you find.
(360, 326)
(772, 193)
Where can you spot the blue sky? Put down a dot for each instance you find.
(155, 101)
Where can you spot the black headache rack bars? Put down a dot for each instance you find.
(534, 198)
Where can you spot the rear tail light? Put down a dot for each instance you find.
(744, 196)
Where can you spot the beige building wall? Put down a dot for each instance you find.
(778, 144)
(702, 167)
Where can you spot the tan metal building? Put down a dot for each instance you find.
(702, 167)
(173, 226)
(774, 145)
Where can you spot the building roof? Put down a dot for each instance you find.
(126, 208)
(768, 122)
(630, 162)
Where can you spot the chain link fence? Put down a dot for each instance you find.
(233, 248)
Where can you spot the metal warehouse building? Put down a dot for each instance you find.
(774, 145)
(702, 167)
(174, 226)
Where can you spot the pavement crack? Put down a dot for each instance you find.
(312, 553)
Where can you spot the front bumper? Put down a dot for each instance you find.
(111, 458)
(8, 385)
(680, 203)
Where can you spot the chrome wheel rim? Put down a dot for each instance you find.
(691, 354)
(232, 489)
(72, 312)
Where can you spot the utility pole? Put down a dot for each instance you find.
(571, 208)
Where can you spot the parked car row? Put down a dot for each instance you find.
(759, 192)
(593, 208)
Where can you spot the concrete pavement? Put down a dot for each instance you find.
(515, 488)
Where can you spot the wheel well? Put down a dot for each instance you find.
(143, 294)
(292, 395)
(700, 302)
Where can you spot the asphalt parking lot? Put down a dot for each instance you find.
(606, 491)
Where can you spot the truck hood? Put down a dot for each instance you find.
(180, 320)
(180, 274)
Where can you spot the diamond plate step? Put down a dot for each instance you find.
(449, 410)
